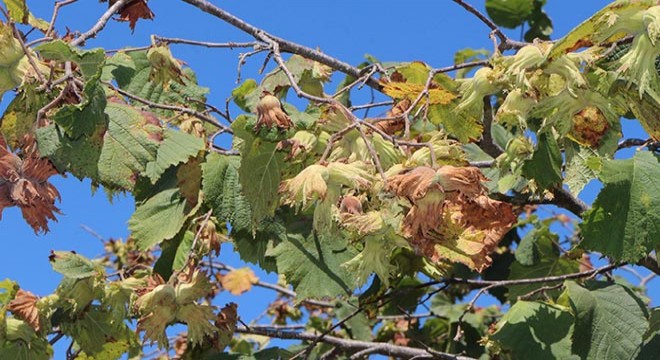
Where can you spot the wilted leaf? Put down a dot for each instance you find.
(24, 307)
(24, 183)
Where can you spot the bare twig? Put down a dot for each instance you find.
(634, 142)
(225, 45)
(486, 143)
(505, 42)
(284, 45)
(56, 10)
(353, 346)
(28, 53)
(100, 24)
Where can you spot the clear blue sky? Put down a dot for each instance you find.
(431, 31)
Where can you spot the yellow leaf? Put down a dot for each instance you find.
(401, 90)
(239, 281)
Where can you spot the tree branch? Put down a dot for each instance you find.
(284, 45)
(505, 42)
(353, 346)
(100, 24)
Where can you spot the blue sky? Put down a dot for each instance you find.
(431, 31)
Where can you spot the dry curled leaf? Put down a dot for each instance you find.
(271, 113)
(24, 183)
(450, 217)
(239, 281)
(133, 11)
(24, 307)
(395, 125)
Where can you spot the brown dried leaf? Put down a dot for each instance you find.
(24, 183)
(134, 11)
(226, 324)
(271, 113)
(24, 307)
(239, 281)
(451, 218)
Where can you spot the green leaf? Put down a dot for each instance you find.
(22, 343)
(20, 116)
(89, 61)
(134, 76)
(509, 13)
(624, 222)
(94, 328)
(183, 250)
(245, 95)
(83, 119)
(536, 330)
(579, 169)
(19, 12)
(159, 218)
(610, 320)
(260, 175)
(72, 265)
(545, 164)
(222, 190)
(130, 143)
(540, 25)
(528, 252)
(358, 325)
(313, 264)
(462, 124)
(265, 354)
(548, 263)
(80, 157)
(177, 148)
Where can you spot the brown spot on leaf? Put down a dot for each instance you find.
(589, 126)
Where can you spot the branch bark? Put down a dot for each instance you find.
(284, 45)
(354, 346)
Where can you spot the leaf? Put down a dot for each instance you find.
(536, 330)
(239, 281)
(540, 24)
(95, 328)
(549, 263)
(358, 324)
(132, 71)
(24, 183)
(260, 175)
(159, 218)
(402, 90)
(72, 265)
(545, 164)
(624, 222)
(312, 264)
(134, 11)
(23, 344)
(183, 248)
(222, 190)
(610, 320)
(20, 115)
(89, 61)
(176, 148)
(19, 12)
(462, 124)
(83, 119)
(579, 169)
(509, 13)
(129, 144)
(24, 307)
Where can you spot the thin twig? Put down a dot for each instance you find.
(505, 42)
(284, 45)
(100, 23)
(180, 109)
(353, 346)
(28, 54)
(56, 10)
(225, 45)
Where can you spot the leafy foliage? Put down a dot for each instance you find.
(365, 220)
